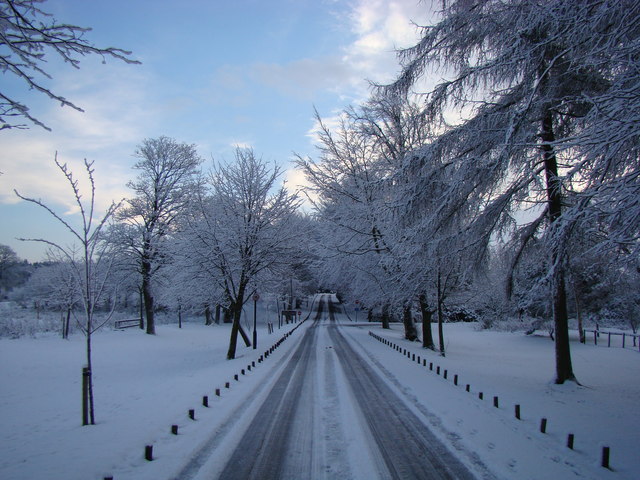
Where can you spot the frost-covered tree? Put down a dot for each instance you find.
(89, 261)
(27, 35)
(55, 285)
(168, 178)
(547, 95)
(243, 231)
(13, 271)
(354, 179)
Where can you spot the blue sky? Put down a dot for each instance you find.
(214, 73)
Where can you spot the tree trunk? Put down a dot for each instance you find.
(141, 309)
(208, 320)
(217, 315)
(385, 316)
(427, 336)
(179, 316)
(89, 400)
(576, 299)
(148, 297)
(564, 369)
(67, 323)
(236, 310)
(440, 301)
(410, 332)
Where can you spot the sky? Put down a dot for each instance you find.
(213, 73)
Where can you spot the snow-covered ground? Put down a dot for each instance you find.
(519, 369)
(144, 384)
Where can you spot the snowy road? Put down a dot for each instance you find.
(329, 415)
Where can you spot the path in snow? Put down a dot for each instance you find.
(329, 415)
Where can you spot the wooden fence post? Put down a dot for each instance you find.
(605, 457)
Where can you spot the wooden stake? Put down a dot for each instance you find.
(148, 452)
(570, 439)
(192, 414)
(605, 457)
(518, 412)
(174, 429)
(543, 425)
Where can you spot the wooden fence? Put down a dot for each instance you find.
(625, 336)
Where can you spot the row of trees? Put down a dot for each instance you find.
(523, 159)
(194, 240)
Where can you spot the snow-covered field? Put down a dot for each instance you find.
(144, 384)
(519, 369)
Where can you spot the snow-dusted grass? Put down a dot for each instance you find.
(144, 384)
(519, 369)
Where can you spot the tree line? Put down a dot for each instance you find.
(510, 186)
(507, 190)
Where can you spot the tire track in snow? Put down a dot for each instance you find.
(261, 451)
(407, 446)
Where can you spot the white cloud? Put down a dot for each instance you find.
(297, 182)
(108, 130)
(378, 29)
(239, 144)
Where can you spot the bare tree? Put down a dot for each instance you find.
(242, 232)
(168, 178)
(27, 34)
(90, 264)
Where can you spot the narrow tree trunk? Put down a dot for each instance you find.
(410, 332)
(385, 316)
(427, 336)
(440, 301)
(207, 315)
(179, 316)
(141, 308)
(576, 299)
(148, 297)
(67, 323)
(92, 418)
(217, 315)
